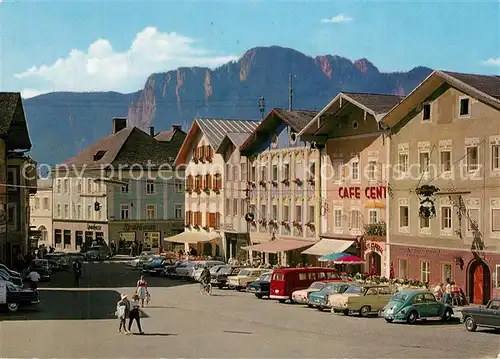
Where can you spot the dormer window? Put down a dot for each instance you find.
(99, 155)
(426, 112)
(464, 107)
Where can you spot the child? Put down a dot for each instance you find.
(148, 298)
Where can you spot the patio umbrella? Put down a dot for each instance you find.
(332, 257)
(350, 259)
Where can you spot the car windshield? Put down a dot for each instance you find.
(494, 304)
(317, 285)
(214, 269)
(244, 272)
(225, 270)
(333, 288)
(157, 261)
(355, 290)
(400, 297)
(265, 278)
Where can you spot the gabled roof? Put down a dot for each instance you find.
(126, 147)
(296, 119)
(214, 129)
(481, 87)
(13, 127)
(165, 136)
(236, 139)
(375, 104)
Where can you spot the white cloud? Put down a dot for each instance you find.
(493, 62)
(337, 19)
(100, 68)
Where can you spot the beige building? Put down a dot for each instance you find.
(215, 195)
(445, 204)
(41, 212)
(355, 191)
(284, 187)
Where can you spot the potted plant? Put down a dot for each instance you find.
(262, 183)
(286, 182)
(426, 190)
(378, 229)
(263, 222)
(273, 223)
(198, 190)
(216, 190)
(208, 158)
(189, 190)
(206, 190)
(311, 181)
(311, 225)
(297, 224)
(253, 223)
(187, 225)
(206, 228)
(285, 224)
(195, 159)
(297, 181)
(427, 209)
(197, 227)
(274, 183)
(251, 184)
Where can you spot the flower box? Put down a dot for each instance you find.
(286, 182)
(274, 183)
(311, 226)
(297, 181)
(198, 190)
(262, 183)
(216, 190)
(263, 222)
(206, 190)
(311, 181)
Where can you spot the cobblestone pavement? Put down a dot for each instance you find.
(77, 323)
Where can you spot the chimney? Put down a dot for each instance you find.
(176, 128)
(119, 123)
(152, 131)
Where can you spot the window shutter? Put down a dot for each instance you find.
(187, 217)
(219, 181)
(209, 180)
(379, 171)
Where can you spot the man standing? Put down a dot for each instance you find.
(77, 271)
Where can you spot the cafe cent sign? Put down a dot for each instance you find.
(373, 192)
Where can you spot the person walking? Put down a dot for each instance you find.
(135, 314)
(122, 312)
(142, 290)
(77, 271)
(447, 291)
(34, 278)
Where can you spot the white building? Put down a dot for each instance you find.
(41, 212)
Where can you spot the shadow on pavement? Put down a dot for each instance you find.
(155, 334)
(107, 275)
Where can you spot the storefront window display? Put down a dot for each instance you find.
(126, 240)
(151, 240)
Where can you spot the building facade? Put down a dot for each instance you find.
(211, 227)
(41, 213)
(355, 190)
(284, 188)
(445, 204)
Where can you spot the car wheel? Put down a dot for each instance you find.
(389, 320)
(220, 286)
(13, 307)
(282, 300)
(470, 324)
(412, 318)
(258, 296)
(447, 315)
(320, 308)
(309, 306)
(365, 311)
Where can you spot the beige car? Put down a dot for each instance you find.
(362, 299)
(245, 276)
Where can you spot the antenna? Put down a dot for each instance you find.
(262, 107)
(290, 91)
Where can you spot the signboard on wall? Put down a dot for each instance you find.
(139, 227)
(93, 227)
(372, 192)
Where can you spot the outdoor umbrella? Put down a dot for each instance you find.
(350, 259)
(332, 257)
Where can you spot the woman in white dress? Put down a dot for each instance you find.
(142, 290)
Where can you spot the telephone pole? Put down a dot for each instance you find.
(290, 92)
(262, 107)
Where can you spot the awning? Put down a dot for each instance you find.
(193, 237)
(328, 246)
(279, 245)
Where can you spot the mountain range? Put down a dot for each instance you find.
(61, 124)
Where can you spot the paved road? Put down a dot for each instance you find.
(79, 323)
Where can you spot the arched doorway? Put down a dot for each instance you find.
(479, 282)
(43, 234)
(374, 261)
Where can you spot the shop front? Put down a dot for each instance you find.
(374, 254)
(75, 236)
(477, 273)
(235, 244)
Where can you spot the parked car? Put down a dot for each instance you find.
(301, 296)
(244, 276)
(58, 261)
(285, 281)
(219, 279)
(170, 270)
(42, 267)
(5, 276)
(186, 269)
(156, 266)
(13, 297)
(73, 256)
(320, 299)
(487, 317)
(97, 252)
(261, 286)
(11, 272)
(202, 265)
(364, 299)
(411, 305)
(138, 262)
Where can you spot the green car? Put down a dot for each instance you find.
(411, 305)
(320, 299)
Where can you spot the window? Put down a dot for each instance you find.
(495, 157)
(178, 210)
(79, 212)
(253, 173)
(355, 219)
(235, 172)
(125, 188)
(150, 211)
(67, 237)
(446, 272)
(150, 187)
(495, 220)
(243, 207)
(37, 203)
(403, 271)
(445, 160)
(89, 185)
(243, 172)
(12, 214)
(464, 110)
(373, 216)
(89, 211)
(425, 223)
(263, 211)
(298, 213)
(337, 218)
(472, 158)
(446, 218)
(312, 214)
(229, 173)
(404, 217)
(125, 214)
(372, 168)
(302, 276)
(274, 214)
(263, 173)
(472, 219)
(179, 188)
(355, 171)
(286, 171)
(228, 207)
(403, 163)
(46, 204)
(58, 185)
(426, 112)
(235, 206)
(11, 179)
(66, 211)
(74, 211)
(425, 272)
(286, 213)
(79, 186)
(57, 236)
(338, 167)
(66, 186)
(275, 173)
(424, 162)
(312, 170)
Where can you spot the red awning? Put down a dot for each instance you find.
(279, 245)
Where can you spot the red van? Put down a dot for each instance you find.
(287, 280)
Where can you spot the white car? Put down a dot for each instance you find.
(137, 262)
(205, 264)
(185, 269)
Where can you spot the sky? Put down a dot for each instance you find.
(62, 45)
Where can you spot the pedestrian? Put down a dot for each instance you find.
(447, 291)
(34, 278)
(77, 271)
(438, 291)
(122, 312)
(135, 314)
(142, 290)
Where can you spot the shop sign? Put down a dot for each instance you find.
(422, 252)
(374, 247)
(372, 192)
(139, 227)
(93, 227)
